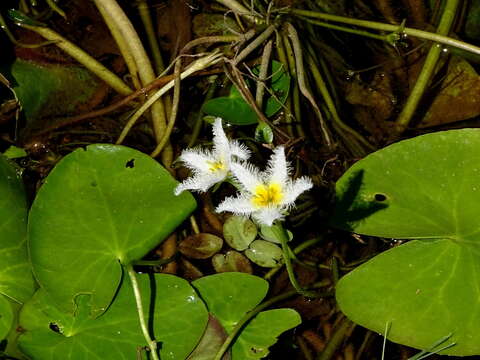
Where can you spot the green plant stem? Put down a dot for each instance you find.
(307, 355)
(282, 57)
(335, 270)
(83, 58)
(209, 40)
(152, 344)
(385, 334)
(445, 40)
(428, 68)
(173, 115)
(325, 71)
(199, 64)
(282, 236)
(302, 84)
(197, 126)
(145, 69)
(366, 341)
(146, 17)
(340, 125)
(122, 46)
(23, 6)
(297, 110)
(53, 5)
(263, 74)
(347, 29)
(6, 29)
(118, 16)
(336, 339)
(254, 44)
(299, 218)
(143, 10)
(234, 6)
(304, 245)
(346, 268)
(251, 314)
(237, 8)
(433, 349)
(235, 76)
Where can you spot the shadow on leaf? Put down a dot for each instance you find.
(351, 207)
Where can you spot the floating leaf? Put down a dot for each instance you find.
(48, 90)
(6, 316)
(268, 233)
(262, 332)
(98, 208)
(239, 232)
(234, 110)
(200, 246)
(16, 280)
(231, 261)
(264, 253)
(179, 319)
(11, 349)
(225, 297)
(14, 152)
(426, 188)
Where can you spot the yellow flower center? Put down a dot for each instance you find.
(266, 195)
(215, 166)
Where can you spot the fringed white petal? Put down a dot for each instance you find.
(197, 159)
(239, 150)
(199, 182)
(221, 144)
(267, 215)
(247, 175)
(295, 188)
(240, 205)
(278, 168)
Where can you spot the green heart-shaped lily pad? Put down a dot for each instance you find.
(178, 315)
(226, 297)
(234, 110)
(262, 332)
(7, 316)
(99, 208)
(16, 280)
(427, 189)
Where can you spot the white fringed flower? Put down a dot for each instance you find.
(211, 166)
(265, 195)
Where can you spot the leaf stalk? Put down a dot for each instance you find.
(152, 344)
